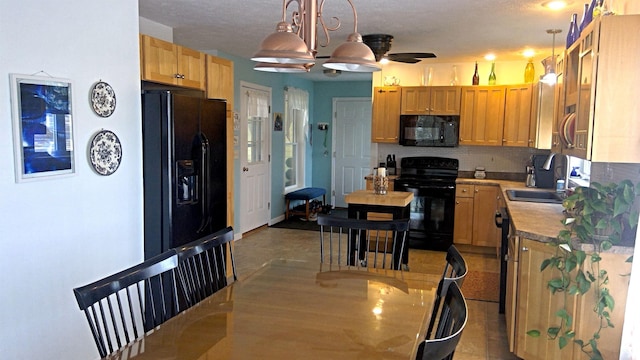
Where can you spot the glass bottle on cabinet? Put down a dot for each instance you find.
(454, 76)
(529, 72)
(476, 76)
(492, 74)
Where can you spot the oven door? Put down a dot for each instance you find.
(432, 214)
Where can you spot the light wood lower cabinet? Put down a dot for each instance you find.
(476, 206)
(535, 306)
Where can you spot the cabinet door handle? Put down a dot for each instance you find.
(524, 248)
(457, 202)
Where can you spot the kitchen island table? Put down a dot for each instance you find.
(366, 204)
(300, 310)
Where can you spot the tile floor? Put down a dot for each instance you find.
(485, 334)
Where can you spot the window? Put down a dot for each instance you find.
(295, 126)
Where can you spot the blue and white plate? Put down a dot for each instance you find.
(105, 152)
(103, 99)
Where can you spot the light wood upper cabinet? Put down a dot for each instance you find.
(430, 100)
(167, 63)
(517, 115)
(385, 119)
(601, 86)
(220, 79)
(482, 115)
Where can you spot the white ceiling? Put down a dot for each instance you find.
(455, 30)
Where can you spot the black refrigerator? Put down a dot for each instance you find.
(184, 168)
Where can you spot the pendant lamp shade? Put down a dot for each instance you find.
(284, 47)
(282, 68)
(353, 55)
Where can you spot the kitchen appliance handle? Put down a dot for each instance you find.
(420, 186)
(204, 180)
(497, 216)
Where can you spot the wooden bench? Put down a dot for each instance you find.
(306, 194)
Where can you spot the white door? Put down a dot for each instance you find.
(255, 174)
(352, 146)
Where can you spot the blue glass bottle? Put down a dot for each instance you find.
(584, 21)
(574, 31)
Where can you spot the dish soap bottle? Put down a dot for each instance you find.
(529, 72)
(492, 74)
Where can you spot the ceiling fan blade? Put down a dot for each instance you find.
(420, 55)
(405, 60)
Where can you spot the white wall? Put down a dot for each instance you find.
(58, 234)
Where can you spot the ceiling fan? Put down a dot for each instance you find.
(380, 44)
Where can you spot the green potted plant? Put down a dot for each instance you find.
(598, 217)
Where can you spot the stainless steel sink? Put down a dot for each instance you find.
(535, 196)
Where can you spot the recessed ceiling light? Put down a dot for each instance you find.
(555, 4)
(490, 57)
(528, 53)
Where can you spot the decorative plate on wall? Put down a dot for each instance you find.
(103, 99)
(105, 152)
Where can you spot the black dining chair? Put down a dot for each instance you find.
(203, 265)
(374, 243)
(455, 270)
(124, 306)
(452, 321)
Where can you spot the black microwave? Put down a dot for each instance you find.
(429, 130)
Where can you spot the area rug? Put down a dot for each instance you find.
(298, 223)
(482, 286)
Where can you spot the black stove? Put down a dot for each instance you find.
(432, 180)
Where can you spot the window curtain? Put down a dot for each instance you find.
(299, 100)
(257, 104)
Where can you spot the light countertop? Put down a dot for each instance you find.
(535, 221)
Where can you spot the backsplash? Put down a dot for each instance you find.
(492, 158)
(605, 173)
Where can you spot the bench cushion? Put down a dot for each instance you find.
(305, 194)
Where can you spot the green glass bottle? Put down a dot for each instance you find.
(492, 74)
(529, 72)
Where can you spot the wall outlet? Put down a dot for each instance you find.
(323, 126)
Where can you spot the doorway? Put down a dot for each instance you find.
(352, 146)
(255, 164)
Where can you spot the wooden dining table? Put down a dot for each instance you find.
(292, 309)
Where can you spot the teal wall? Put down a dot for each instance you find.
(321, 94)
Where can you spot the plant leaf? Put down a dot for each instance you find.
(533, 333)
(544, 264)
(562, 342)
